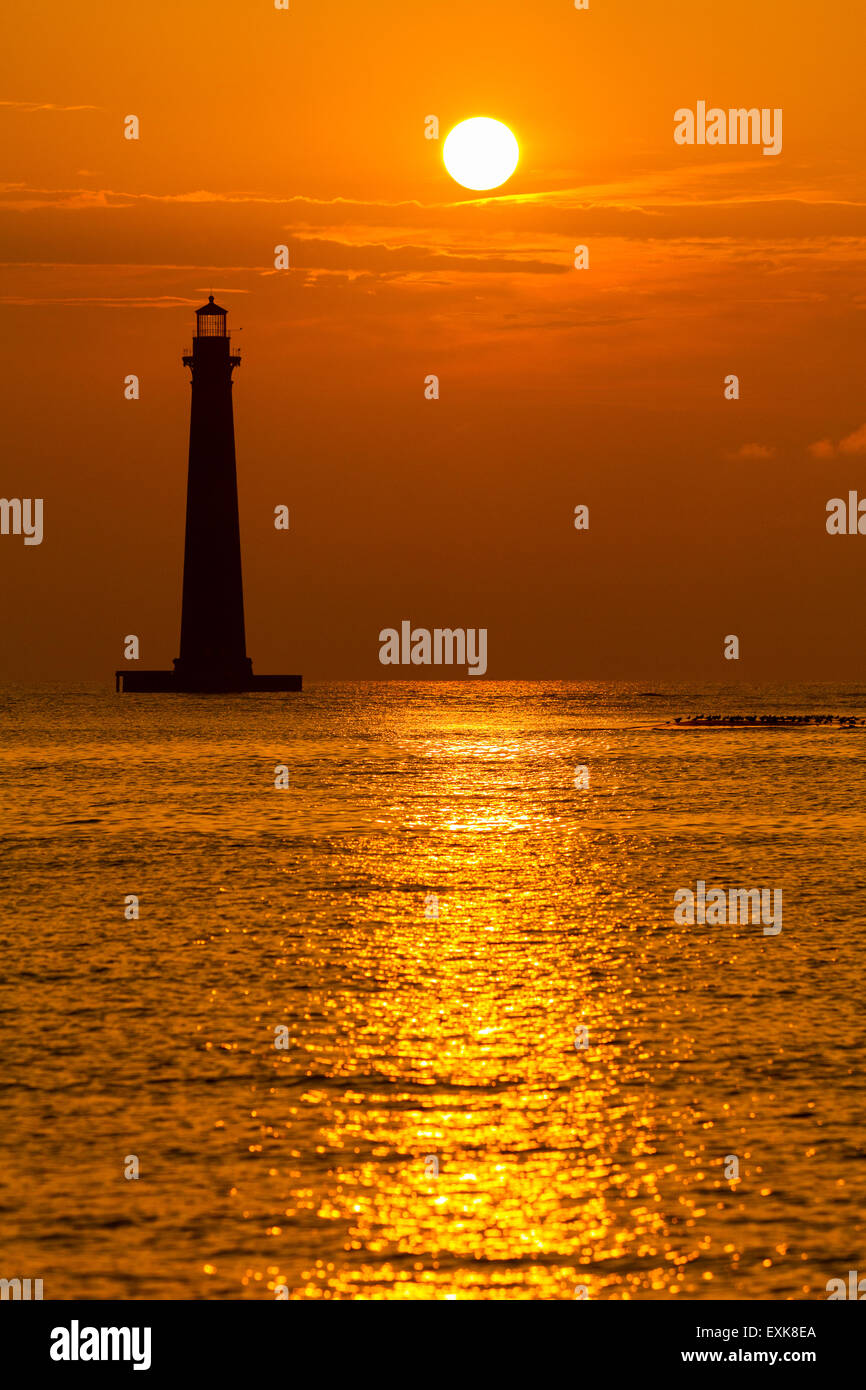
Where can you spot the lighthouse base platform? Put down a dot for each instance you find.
(172, 683)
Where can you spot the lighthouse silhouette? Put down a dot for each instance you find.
(213, 653)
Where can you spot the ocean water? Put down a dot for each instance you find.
(430, 1129)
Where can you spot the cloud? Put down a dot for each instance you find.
(573, 213)
(753, 451)
(854, 443)
(822, 449)
(46, 106)
(317, 253)
(162, 301)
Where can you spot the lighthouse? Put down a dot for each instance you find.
(213, 655)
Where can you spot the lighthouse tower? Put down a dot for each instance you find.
(213, 652)
(213, 655)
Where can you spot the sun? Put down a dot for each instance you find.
(480, 153)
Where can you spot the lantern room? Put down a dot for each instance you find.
(210, 320)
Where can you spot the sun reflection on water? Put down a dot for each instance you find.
(414, 1036)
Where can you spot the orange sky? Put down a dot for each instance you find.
(557, 386)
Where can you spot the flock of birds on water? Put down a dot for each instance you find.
(847, 721)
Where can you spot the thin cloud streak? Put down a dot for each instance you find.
(46, 106)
